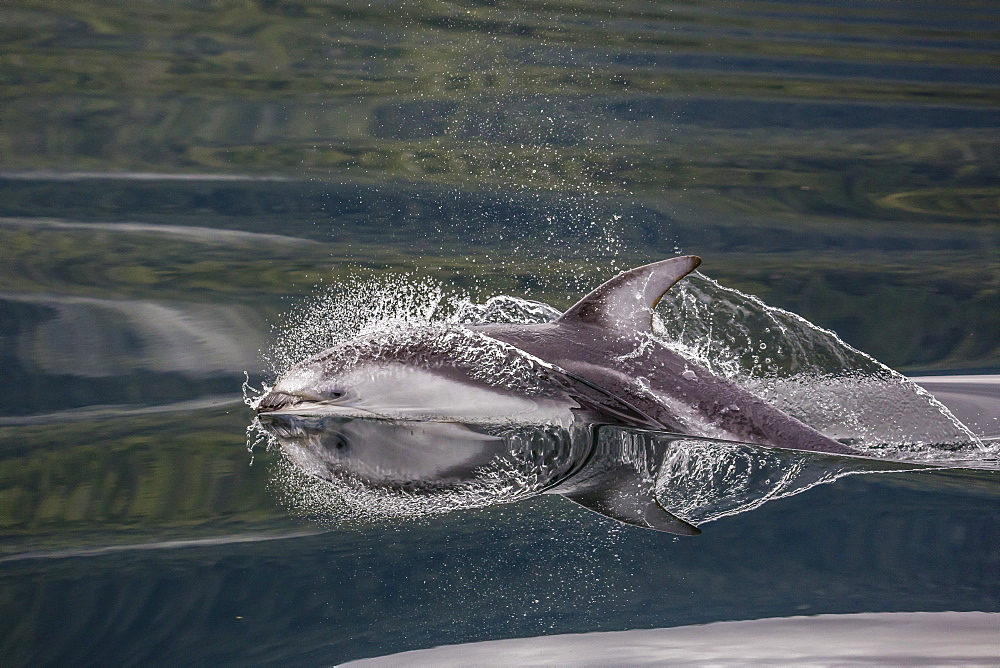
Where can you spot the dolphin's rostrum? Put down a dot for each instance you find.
(428, 407)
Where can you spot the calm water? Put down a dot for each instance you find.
(175, 177)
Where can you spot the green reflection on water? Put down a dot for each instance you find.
(852, 178)
(521, 94)
(105, 480)
(916, 296)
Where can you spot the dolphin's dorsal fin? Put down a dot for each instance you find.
(626, 302)
(633, 509)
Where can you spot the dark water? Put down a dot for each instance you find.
(174, 176)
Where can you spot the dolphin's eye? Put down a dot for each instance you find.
(339, 443)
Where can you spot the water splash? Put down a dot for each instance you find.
(519, 462)
(702, 480)
(358, 305)
(809, 373)
(504, 309)
(347, 500)
(371, 305)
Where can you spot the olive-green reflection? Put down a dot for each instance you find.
(919, 541)
(915, 296)
(522, 94)
(102, 479)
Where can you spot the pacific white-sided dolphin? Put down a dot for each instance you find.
(598, 363)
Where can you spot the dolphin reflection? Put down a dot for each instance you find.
(627, 474)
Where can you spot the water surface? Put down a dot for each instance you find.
(176, 177)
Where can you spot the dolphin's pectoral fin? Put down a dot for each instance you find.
(626, 302)
(632, 509)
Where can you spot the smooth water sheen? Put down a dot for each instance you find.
(194, 196)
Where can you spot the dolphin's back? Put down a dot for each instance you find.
(605, 341)
(671, 392)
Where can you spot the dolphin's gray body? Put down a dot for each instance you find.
(597, 363)
(604, 341)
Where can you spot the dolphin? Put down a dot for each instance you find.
(596, 364)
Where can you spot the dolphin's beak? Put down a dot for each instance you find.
(275, 401)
